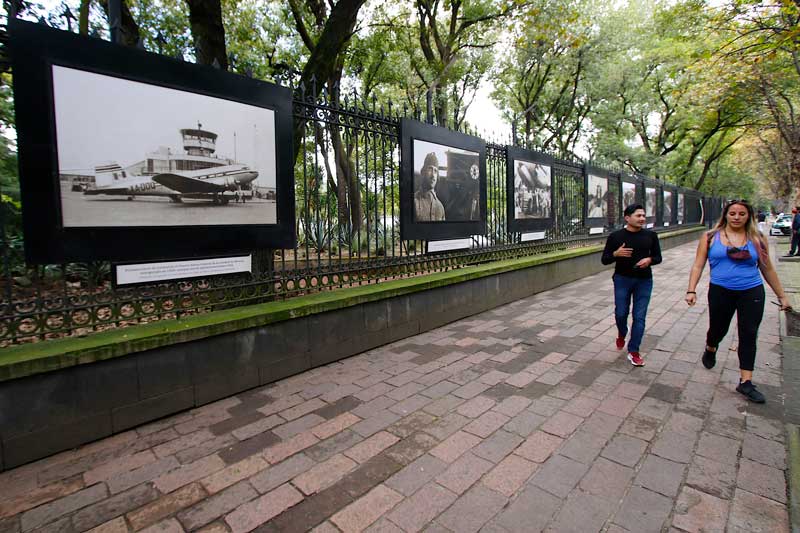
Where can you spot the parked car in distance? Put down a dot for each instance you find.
(782, 225)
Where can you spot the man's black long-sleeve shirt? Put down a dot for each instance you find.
(644, 243)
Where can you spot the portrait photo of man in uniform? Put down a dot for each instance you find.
(427, 207)
(446, 183)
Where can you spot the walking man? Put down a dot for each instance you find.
(795, 246)
(634, 250)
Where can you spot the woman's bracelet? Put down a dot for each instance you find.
(692, 292)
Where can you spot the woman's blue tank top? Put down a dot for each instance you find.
(732, 274)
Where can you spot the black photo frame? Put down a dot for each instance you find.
(41, 54)
(458, 208)
(650, 202)
(629, 192)
(668, 195)
(529, 190)
(596, 207)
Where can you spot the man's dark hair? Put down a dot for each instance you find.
(632, 209)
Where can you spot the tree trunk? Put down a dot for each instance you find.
(83, 17)
(322, 63)
(205, 17)
(128, 29)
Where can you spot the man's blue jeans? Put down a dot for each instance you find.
(625, 290)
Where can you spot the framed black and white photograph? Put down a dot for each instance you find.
(529, 187)
(442, 183)
(666, 210)
(681, 211)
(147, 157)
(596, 197)
(650, 203)
(628, 194)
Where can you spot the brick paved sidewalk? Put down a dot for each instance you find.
(524, 418)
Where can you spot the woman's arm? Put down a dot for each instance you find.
(771, 276)
(697, 269)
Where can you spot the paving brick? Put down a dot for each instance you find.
(233, 474)
(764, 451)
(415, 513)
(335, 425)
(643, 510)
(117, 525)
(625, 450)
(524, 423)
(718, 448)
(279, 452)
(539, 446)
(509, 475)
(440, 390)
(751, 513)
(411, 424)
(486, 424)
(617, 406)
(371, 447)
(375, 391)
(297, 426)
(13, 504)
(254, 513)
(476, 406)
(582, 406)
(247, 448)
(188, 473)
(50, 511)
(166, 506)
(361, 513)
(264, 423)
(455, 445)
(498, 446)
(123, 481)
(443, 405)
(278, 474)
(408, 480)
(582, 512)
(583, 446)
(607, 480)
(118, 466)
(530, 511)
(183, 442)
(653, 408)
(559, 475)
(463, 473)
(281, 404)
(208, 447)
(382, 526)
(411, 404)
(547, 405)
(713, 477)
(324, 474)
(333, 445)
(216, 506)
(373, 424)
(674, 446)
(472, 510)
(684, 423)
(640, 427)
(407, 390)
(661, 475)
(562, 424)
(110, 508)
(697, 512)
(761, 480)
(173, 526)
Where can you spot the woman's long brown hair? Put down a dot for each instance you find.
(750, 228)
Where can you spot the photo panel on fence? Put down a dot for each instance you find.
(667, 208)
(442, 183)
(529, 191)
(151, 158)
(650, 204)
(598, 202)
(680, 214)
(629, 196)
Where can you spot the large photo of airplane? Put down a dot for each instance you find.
(167, 158)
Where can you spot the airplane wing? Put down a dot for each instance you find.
(183, 184)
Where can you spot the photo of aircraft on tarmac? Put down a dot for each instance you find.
(147, 168)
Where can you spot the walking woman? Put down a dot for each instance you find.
(736, 252)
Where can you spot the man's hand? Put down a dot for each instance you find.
(623, 252)
(644, 263)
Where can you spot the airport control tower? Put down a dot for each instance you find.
(199, 141)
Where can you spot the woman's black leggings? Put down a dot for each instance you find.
(749, 308)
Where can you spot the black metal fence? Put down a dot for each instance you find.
(347, 209)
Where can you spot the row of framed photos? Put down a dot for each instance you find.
(126, 155)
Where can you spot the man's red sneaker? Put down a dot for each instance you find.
(620, 343)
(635, 359)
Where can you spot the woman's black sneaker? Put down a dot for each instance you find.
(709, 359)
(749, 391)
